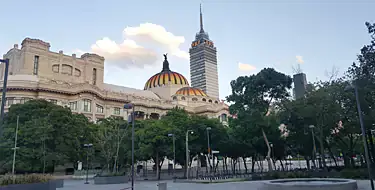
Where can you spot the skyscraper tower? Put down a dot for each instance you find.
(203, 63)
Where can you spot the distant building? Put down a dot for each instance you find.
(203, 63)
(35, 72)
(300, 85)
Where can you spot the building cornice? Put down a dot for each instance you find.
(78, 89)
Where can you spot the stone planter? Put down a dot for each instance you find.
(59, 183)
(110, 180)
(32, 186)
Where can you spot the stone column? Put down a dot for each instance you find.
(93, 109)
(125, 114)
(79, 105)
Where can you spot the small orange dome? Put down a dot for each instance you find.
(190, 91)
(166, 76)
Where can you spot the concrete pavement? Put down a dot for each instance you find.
(149, 185)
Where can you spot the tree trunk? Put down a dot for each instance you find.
(226, 165)
(157, 165)
(253, 159)
(117, 150)
(346, 160)
(274, 163)
(282, 165)
(244, 164)
(224, 160)
(332, 155)
(239, 165)
(198, 164)
(322, 154)
(217, 166)
(371, 145)
(307, 162)
(268, 157)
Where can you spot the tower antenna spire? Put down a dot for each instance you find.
(201, 17)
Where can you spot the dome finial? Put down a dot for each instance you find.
(165, 63)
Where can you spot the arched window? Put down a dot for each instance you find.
(67, 69)
(195, 99)
(182, 98)
(224, 117)
(174, 98)
(204, 99)
(216, 102)
(210, 101)
(55, 68)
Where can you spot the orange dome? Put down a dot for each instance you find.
(166, 76)
(190, 91)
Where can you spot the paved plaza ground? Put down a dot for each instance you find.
(150, 185)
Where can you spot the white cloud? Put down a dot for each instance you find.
(124, 55)
(246, 67)
(142, 45)
(158, 34)
(299, 59)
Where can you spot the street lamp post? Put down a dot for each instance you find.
(208, 129)
(132, 120)
(363, 129)
(87, 161)
(3, 98)
(15, 147)
(314, 146)
(174, 154)
(187, 152)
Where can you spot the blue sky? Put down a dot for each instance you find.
(267, 33)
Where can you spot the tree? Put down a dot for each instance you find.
(253, 96)
(109, 136)
(152, 142)
(363, 75)
(48, 136)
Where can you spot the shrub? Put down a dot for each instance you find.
(354, 173)
(24, 179)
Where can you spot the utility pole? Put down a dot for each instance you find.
(15, 147)
(132, 106)
(187, 152)
(174, 154)
(3, 97)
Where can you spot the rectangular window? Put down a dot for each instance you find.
(99, 108)
(94, 76)
(73, 105)
(87, 105)
(36, 65)
(9, 102)
(116, 111)
(53, 101)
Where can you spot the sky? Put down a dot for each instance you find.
(317, 35)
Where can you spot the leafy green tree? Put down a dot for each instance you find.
(153, 141)
(48, 136)
(363, 75)
(252, 98)
(109, 136)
